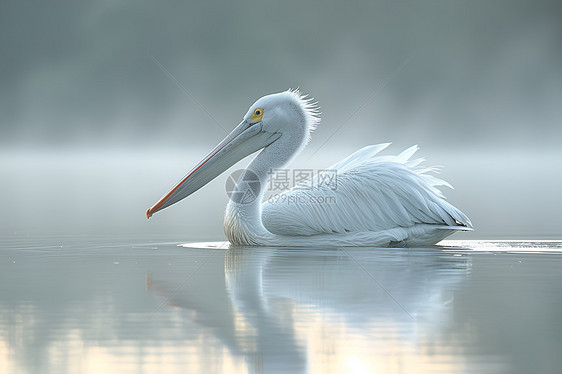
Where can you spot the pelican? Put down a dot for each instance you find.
(379, 201)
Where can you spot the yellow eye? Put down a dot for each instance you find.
(257, 115)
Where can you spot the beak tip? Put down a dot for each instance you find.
(148, 213)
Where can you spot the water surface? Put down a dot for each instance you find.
(123, 304)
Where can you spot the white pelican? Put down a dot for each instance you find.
(379, 201)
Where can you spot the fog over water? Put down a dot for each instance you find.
(104, 105)
(505, 195)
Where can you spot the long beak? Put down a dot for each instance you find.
(244, 140)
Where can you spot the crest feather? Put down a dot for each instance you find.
(309, 106)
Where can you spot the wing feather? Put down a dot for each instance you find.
(373, 193)
(358, 157)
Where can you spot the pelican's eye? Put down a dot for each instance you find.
(257, 115)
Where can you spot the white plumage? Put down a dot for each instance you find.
(378, 200)
(372, 194)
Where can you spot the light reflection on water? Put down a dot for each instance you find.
(119, 304)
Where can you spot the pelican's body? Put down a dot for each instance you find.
(377, 201)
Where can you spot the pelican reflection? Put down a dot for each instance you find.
(294, 310)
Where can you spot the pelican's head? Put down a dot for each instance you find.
(286, 115)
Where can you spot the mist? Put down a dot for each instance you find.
(104, 105)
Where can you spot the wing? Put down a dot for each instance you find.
(370, 194)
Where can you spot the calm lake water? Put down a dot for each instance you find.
(123, 304)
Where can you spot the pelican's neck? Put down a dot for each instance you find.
(242, 221)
